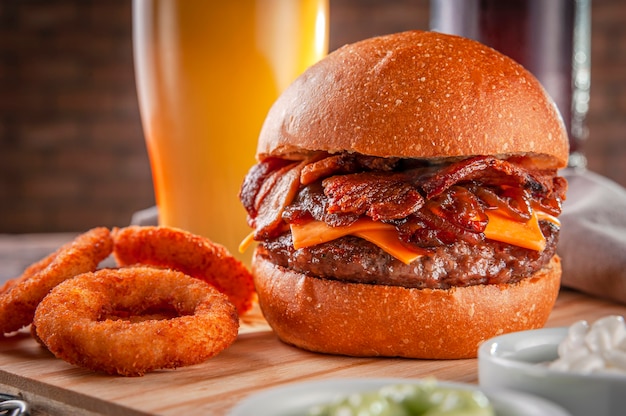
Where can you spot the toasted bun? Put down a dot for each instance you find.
(416, 95)
(370, 320)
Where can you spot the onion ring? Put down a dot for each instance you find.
(19, 297)
(134, 320)
(191, 254)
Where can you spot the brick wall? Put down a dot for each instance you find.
(71, 149)
(72, 154)
(606, 146)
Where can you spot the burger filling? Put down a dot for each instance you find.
(405, 222)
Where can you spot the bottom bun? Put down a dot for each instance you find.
(374, 320)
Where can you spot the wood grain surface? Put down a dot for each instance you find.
(256, 361)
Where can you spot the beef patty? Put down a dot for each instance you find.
(462, 263)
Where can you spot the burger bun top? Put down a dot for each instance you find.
(416, 95)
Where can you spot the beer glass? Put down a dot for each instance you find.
(206, 74)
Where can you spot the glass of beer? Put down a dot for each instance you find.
(207, 72)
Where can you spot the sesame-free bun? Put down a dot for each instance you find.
(416, 95)
(356, 319)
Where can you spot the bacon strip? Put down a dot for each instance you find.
(275, 194)
(379, 195)
(328, 166)
(485, 170)
(427, 229)
(427, 203)
(460, 207)
(310, 204)
(254, 180)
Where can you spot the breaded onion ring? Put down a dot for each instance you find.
(134, 320)
(189, 253)
(19, 297)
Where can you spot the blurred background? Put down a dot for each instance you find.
(72, 154)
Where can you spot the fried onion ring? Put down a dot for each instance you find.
(189, 253)
(134, 320)
(19, 297)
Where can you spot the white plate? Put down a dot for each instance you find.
(296, 399)
(518, 361)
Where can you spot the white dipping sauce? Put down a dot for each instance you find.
(599, 348)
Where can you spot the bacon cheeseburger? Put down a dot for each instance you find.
(406, 200)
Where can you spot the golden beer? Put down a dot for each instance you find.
(207, 73)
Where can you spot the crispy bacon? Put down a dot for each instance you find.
(327, 166)
(344, 163)
(460, 207)
(429, 204)
(379, 195)
(514, 201)
(552, 201)
(275, 194)
(484, 170)
(310, 204)
(254, 180)
(426, 229)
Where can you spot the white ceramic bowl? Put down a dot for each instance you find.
(518, 361)
(297, 398)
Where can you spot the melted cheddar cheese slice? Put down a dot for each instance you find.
(383, 235)
(523, 234)
(500, 228)
(318, 232)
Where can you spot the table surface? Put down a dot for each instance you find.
(257, 360)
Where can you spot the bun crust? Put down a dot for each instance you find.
(370, 320)
(416, 95)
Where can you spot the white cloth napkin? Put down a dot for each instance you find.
(145, 217)
(592, 243)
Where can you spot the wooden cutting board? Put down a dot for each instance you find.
(256, 361)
